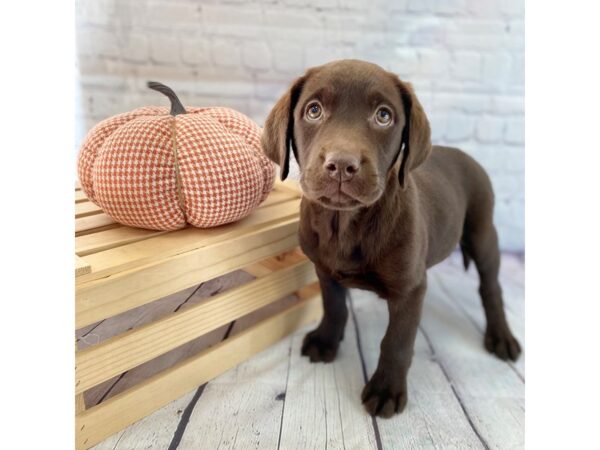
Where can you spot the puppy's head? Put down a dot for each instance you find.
(350, 124)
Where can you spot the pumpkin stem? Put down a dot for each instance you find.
(176, 106)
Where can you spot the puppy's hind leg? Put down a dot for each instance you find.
(480, 242)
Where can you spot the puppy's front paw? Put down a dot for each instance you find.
(384, 398)
(502, 343)
(319, 348)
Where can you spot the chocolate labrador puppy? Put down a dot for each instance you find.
(380, 206)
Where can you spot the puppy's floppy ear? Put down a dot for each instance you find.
(278, 134)
(416, 135)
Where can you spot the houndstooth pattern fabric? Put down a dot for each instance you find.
(127, 167)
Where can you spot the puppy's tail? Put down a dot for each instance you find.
(465, 255)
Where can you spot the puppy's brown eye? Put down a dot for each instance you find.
(383, 116)
(314, 111)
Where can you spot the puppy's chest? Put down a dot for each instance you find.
(343, 256)
(351, 271)
(343, 259)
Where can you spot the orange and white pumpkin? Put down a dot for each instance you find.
(160, 169)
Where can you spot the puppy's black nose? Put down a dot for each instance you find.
(341, 167)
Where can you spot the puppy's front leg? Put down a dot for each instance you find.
(322, 343)
(386, 391)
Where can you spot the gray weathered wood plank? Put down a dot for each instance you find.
(512, 272)
(242, 408)
(152, 432)
(491, 392)
(243, 400)
(462, 289)
(323, 408)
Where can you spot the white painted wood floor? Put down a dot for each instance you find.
(459, 395)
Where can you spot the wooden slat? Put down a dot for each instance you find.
(87, 225)
(160, 247)
(135, 376)
(84, 209)
(81, 267)
(285, 259)
(105, 240)
(114, 356)
(99, 299)
(80, 197)
(262, 268)
(281, 192)
(97, 222)
(79, 403)
(309, 291)
(102, 420)
(257, 270)
(124, 322)
(137, 317)
(79, 398)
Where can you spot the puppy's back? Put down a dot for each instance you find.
(457, 170)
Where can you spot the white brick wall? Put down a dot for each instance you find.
(465, 58)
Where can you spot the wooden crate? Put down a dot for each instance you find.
(118, 268)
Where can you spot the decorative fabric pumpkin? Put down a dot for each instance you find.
(151, 168)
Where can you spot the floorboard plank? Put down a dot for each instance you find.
(152, 432)
(511, 276)
(462, 289)
(491, 392)
(433, 417)
(323, 408)
(241, 409)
